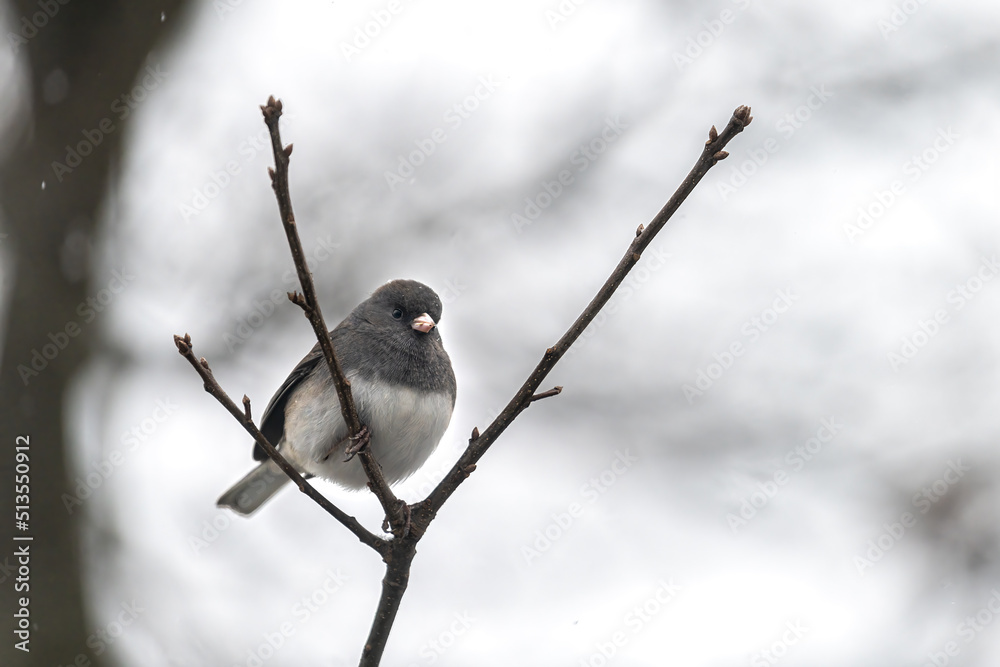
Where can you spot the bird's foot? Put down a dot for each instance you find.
(351, 445)
(357, 443)
(407, 515)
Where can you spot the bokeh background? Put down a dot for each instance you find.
(777, 445)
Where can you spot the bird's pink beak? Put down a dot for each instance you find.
(423, 323)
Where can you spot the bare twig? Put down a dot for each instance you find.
(424, 511)
(243, 417)
(395, 509)
(555, 391)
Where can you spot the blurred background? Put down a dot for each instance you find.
(776, 445)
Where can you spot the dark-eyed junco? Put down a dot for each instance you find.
(403, 386)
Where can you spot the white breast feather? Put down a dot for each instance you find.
(405, 426)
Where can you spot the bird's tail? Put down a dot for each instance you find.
(248, 494)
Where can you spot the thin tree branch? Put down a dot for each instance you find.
(424, 511)
(396, 511)
(555, 391)
(394, 583)
(243, 417)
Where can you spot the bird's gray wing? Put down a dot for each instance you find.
(272, 424)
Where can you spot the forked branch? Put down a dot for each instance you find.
(410, 523)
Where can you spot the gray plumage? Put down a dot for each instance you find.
(403, 386)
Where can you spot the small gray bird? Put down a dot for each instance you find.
(403, 386)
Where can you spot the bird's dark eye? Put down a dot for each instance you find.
(397, 313)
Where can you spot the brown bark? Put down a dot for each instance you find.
(100, 46)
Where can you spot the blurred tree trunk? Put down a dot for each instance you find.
(83, 55)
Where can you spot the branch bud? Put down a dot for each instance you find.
(742, 114)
